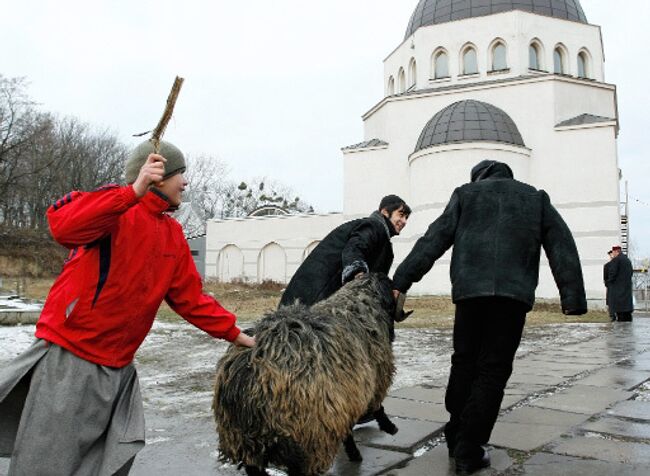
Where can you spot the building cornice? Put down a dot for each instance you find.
(485, 85)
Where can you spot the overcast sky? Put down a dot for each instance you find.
(273, 88)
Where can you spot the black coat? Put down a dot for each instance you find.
(619, 284)
(605, 273)
(498, 226)
(360, 245)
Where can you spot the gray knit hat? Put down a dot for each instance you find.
(175, 161)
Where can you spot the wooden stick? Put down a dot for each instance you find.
(159, 131)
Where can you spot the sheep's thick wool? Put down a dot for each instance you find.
(292, 399)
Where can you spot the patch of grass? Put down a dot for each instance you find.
(31, 288)
(438, 312)
(252, 301)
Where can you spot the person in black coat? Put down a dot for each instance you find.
(619, 285)
(612, 314)
(497, 226)
(358, 246)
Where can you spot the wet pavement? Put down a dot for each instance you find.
(577, 403)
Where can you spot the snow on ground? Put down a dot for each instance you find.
(13, 303)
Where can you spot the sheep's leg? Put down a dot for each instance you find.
(351, 448)
(255, 471)
(295, 471)
(384, 422)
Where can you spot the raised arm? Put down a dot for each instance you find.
(80, 218)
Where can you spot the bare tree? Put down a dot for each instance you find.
(244, 198)
(21, 127)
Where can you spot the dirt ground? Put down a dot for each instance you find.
(251, 301)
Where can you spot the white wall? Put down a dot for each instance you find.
(269, 247)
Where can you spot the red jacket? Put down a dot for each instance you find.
(126, 256)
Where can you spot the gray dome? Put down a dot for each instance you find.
(469, 121)
(431, 12)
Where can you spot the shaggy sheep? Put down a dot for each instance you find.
(293, 398)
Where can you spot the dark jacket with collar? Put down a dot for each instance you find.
(619, 284)
(605, 274)
(498, 226)
(360, 245)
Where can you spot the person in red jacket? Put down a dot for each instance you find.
(71, 403)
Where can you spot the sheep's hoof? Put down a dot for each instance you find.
(389, 428)
(351, 449)
(355, 456)
(254, 471)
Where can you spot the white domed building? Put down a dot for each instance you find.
(518, 81)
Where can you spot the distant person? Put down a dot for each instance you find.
(619, 285)
(353, 248)
(71, 404)
(612, 314)
(497, 227)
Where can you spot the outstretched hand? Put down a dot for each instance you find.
(244, 340)
(151, 172)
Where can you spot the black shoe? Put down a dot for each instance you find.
(469, 466)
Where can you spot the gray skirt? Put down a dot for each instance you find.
(62, 415)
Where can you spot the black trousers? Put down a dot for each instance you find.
(487, 332)
(624, 316)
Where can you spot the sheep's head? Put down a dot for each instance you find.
(378, 285)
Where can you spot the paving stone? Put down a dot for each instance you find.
(510, 400)
(638, 365)
(520, 436)
(402, 407)
(588, 359)
(637, 409)
(437, 462)
(554, 368)
(615, 377)
(421, 393)
(545, 464)
(525, 389)
(582, 399)
(375, 461)
(605, 450)
(548, 380)
(533, 417)
(615, 426)
(411, 434)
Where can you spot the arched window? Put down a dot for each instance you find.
(272, 264)
(470, 64)
(230, 264)
(401, 81)
(533, 57)
(583, 65)
(499, 61)
(440, 65)
(310, 247)
(391, 86)
(558, 61)
(413, 71)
